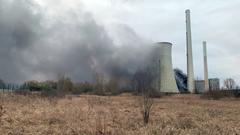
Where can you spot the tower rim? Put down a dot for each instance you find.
(167, 43)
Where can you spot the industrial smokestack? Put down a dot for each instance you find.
(206, 83)
(163, 61)
(190, 71)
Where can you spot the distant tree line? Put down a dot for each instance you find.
(8, 86)
(230, 84)
(101, 85)
(2, 84)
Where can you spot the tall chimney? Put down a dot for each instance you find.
(206, 83)
(190, 72)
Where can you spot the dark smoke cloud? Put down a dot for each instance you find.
(36, 46)
(19, 28)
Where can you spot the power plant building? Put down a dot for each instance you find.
(161, 65)
(214, 84)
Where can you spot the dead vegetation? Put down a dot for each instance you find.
(118, 115)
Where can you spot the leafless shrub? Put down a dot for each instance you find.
(64, 86)
(113, 113)
(101, 124)
(100, 82)
(212, 95)
(84, 87)
(219, 94)
(146, 103)
(112, 87)
(143, 83)
(90, 104)
(185, 123)
(53, 100)
(1, 111)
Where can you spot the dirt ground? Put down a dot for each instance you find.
(117, 115)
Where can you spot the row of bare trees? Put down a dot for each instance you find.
(230, 84)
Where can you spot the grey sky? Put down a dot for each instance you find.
(215, 21)
(42, 38)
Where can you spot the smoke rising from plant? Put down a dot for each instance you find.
(38, 45)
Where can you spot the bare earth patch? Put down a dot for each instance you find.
(120, 115)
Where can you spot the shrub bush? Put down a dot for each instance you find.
(218, 94)
(237, 93)
(82, 88)
(50, 93)
(212, 95)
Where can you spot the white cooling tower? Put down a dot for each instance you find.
(165, 81)
(190, 72)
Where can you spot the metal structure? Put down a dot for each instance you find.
(190, 71)
(206, 82)
(165, 80)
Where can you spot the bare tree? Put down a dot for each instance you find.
(147, 102)
(64, 85)
(2, 85)
(100, 83)
(112, 86)
(229, 83)
(143, 81)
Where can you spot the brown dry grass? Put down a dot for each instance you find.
(120, 115)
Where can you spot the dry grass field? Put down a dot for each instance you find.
(120, 115)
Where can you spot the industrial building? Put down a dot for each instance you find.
(214, 84)
(170, 81)
(162, 65)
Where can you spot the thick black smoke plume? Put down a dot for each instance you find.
(181, 79)
(35, 45)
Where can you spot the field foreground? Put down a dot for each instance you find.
(120, 115)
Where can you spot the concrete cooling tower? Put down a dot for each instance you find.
(165, 80)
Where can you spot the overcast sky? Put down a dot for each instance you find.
(42, 38)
